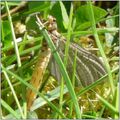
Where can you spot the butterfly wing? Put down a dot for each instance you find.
(88, 69)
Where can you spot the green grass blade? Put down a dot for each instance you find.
(5, 105)
(100, 46)
(13, 35)
(12, 58)
(34, 89)
(62, 68)
(73, 81)
(117, 101)
(99, 30)
(84, 90)
(107, 104)
(13, 91)
(22, 43)
(66, 52)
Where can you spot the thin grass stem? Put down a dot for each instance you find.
(5, 105)
(13, 91)
(34, 90)
(61, 66)
(100, 47)
(13, 36)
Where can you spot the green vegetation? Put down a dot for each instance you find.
(93, 26)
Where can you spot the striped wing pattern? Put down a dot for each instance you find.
(88, 69)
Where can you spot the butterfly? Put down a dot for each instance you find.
(88, 69)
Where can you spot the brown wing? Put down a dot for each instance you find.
(38, 74)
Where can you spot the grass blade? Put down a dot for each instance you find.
(61, 66)
(13, 35)
(13, 91)
(34, 89)
(5, 105)
(100, 47)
